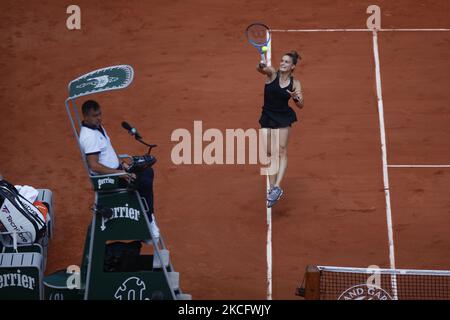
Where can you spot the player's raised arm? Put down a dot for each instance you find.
(265, 69)
(258, 35)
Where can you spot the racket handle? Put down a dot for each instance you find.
(263, 58)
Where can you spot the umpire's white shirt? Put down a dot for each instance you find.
(93, 141)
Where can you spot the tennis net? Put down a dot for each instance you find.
(342, 283)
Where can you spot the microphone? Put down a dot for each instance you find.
(131, 130)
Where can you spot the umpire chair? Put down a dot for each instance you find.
(122, 260)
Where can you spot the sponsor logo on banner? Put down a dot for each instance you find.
(98, 82)
(9, 225)
(104, 181)
(17, 280)
(131, 289)
(122, 213)
(365, 292)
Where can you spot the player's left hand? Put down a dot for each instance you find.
(296, 94)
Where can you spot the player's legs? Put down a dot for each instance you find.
(266, 137)
(282, 151)
(282, 137)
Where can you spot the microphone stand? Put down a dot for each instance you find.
(150, 146)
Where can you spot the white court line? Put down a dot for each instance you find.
(414, 30)
(269, 210)
(321, 30)
(384, 160)
(269, 247)
(419, 165)
(360, 30)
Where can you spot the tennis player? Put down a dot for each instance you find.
(277, 114)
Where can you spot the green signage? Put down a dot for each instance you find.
(110, 78)
(20, 276)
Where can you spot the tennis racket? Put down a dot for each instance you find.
(258, 35)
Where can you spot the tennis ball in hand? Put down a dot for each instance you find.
(264, 49)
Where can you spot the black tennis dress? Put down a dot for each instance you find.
(276, 112)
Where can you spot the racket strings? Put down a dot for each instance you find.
(258, 34)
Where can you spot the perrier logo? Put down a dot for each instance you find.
(122, 213)
(105, 181)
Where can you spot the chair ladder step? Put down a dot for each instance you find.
(165, 258)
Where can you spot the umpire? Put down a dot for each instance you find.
(102, 158)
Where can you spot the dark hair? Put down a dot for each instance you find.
(294, 56)
(89, 105)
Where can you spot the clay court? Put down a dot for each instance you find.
(192, 62)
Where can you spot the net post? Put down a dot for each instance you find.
(310, 288)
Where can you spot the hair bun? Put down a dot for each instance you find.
(295, 56)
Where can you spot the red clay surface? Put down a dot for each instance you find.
(192, 63)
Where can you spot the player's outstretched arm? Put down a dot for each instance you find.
(265, 69)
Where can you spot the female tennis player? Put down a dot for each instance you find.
(277, 114)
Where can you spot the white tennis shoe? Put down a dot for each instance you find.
(273, 196)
